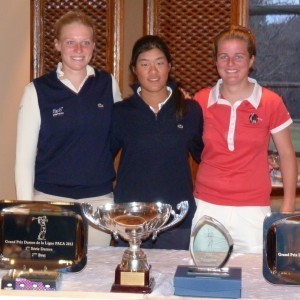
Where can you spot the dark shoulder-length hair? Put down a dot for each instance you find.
(149, 42)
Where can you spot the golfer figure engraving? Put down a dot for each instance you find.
(134, 222)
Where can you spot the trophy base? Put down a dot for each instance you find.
(208, 284)
(132, 282)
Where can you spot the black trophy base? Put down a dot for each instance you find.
(132, 282)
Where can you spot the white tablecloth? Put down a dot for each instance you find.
(95, 281)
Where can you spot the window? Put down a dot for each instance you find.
(276, 24)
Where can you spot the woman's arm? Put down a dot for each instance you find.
(196, 144)
(28, 127)
(116, 90)
(288, 167)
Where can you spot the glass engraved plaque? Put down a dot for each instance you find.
(41, 237)
(281, 249)
(211, 245)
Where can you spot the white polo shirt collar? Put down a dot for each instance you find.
(161, 104)
(61, 76)
(254, 99)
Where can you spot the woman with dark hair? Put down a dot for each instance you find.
(156, 129)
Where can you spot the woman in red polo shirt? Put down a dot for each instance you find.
(233, 183)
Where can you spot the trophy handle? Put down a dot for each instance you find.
(183, 208)
(88, 212)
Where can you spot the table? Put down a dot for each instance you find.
(95, 281)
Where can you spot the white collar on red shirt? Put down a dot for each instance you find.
(254, 99)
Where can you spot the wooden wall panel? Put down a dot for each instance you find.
(188, 26)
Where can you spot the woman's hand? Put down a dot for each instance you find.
(186, 94)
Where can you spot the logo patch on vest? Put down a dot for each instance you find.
(58, 112)
(100, 105)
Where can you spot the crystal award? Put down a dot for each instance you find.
(211, 246)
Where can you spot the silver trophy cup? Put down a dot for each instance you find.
(134, 222)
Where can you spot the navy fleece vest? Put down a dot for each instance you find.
(73, 158)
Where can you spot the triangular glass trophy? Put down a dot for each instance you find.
(211, 246)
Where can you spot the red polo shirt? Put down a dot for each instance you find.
(234, 167)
